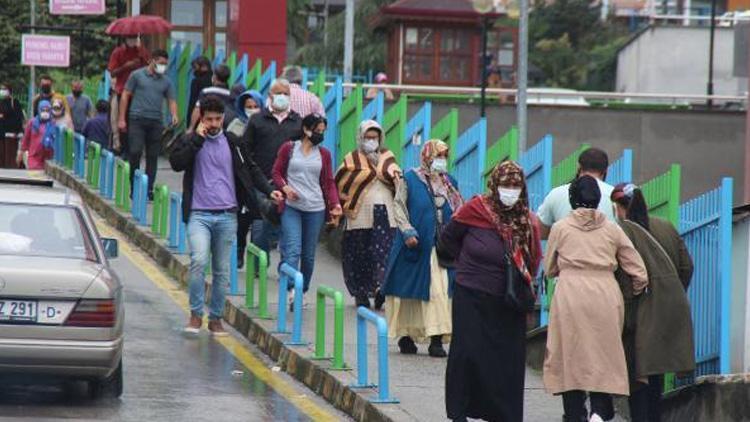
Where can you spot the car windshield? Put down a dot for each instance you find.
(43, 230)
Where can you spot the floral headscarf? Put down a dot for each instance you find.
(514, 221)
(439, 182)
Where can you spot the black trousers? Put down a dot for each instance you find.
(574, 405)
(645, 403)
(144, 134)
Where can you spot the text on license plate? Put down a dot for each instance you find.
(18, 310)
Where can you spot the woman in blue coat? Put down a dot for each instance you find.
(416, 285)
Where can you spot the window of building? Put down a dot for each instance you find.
(437, 55)
(201, 22)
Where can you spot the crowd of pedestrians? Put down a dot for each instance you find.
(447, 269)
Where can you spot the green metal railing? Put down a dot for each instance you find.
(92, 166)
(319, 86)
(122, 185)
(565, 171)
(257, 257)
(160, 213)
(394, 126)
(506, 148)
(324, 292)
(68, 148)
(253, 75)
(349, 120)
(663, 195)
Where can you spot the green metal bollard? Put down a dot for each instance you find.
(122, 185)
(159, 222)
(92, 173)
(252, 253)
(68, 148)
(338, 327)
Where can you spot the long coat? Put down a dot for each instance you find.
(408, 273)
(584, 345)
(658, 334)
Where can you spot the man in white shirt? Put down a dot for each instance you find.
(556, 206)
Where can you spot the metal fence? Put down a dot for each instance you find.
(470, 157)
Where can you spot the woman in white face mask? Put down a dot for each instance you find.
(490, 236)
(417, 303)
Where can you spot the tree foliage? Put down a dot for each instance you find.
(96, 45)
(572, 46)
(369, 45)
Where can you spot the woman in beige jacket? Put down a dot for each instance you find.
(584, 346)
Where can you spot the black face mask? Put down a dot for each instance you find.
(77, 93)
(316, 138)
(46, 89)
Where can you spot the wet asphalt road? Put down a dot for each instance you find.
(167, 375)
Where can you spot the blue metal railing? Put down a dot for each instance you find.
(140, 197)
(621, 171)
(375, 109)
(468, 164)
(417, 132)
(177, 228)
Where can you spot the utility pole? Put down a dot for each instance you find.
(32, 76)
(710, 87)
(523, 61)
(348, 40)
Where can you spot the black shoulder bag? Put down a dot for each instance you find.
(445, 260)
(518, 293)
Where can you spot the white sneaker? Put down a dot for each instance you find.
(596, 418)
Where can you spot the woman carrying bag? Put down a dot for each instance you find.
(496, 242)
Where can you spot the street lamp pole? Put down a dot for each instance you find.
(710, 87)
(482, 104)
(523, 62)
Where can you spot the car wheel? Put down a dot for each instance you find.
(108, 387)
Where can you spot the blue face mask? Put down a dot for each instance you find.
(280, 102)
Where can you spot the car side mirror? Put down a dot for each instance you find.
(110, 247)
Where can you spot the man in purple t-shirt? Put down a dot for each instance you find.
(218, 179)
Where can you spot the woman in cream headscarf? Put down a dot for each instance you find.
(366, 183)
(416, 285)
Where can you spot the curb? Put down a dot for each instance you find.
(304, 370)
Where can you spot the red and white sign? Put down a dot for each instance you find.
(45, 50)
(77, 7)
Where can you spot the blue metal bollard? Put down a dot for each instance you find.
(287, 273)
(57, 147)
(140, 197)
(363, 316)
(176, 239)
(233, 289)
(79, 157)
(107, 174)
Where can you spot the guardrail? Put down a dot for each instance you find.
(160, 212)
(288, 273)
(324, 292)
(363, 316)
(252, 253)
(140, 197)
(122, 185)
(106, 174)
(93, 165)
(545, 94)
(177, 228)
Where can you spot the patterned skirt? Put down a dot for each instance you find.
(365, 253)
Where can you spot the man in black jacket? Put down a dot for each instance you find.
(218, 179)
(265, 133)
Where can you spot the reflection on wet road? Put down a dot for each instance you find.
(167, 375)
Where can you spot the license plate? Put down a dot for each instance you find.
(18, 310)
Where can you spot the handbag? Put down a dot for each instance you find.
(445, 260)
(518, 293)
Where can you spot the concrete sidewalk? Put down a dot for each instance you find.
(417, 381)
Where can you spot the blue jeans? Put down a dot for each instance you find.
(262, 234)
(301, 231)
(210, 234)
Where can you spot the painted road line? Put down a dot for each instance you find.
(231, 344)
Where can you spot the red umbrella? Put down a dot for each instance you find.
(141, 24)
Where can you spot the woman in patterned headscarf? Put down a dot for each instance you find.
(416, 284)
(480, 235)
(366, 182)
